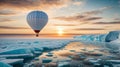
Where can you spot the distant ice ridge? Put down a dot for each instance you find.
(110, 40)
(112, 36)
(92, 37)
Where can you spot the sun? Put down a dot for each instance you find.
(60, 31)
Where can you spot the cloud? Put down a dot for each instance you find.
(7, 12)
(117, 19)
(70, 18)
(8, 27)
(89, 29)
(6, 20)
(114, 22)
(85, 16)
(97, 11)
(64, 25)
(77, 3)
(31, 4)
(80, 18)
(92, 18)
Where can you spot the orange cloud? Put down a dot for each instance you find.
(7, 12)
(80, 18)
(114, 22)
(89, 29)
(8, 27)
(31, 4)
(6, 20)
(64, 24)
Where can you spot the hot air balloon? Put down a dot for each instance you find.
(37, 20)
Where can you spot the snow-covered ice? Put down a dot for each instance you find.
(29, 46)
(92, 37)
(112, 35)
(116, 41)
(18, 49)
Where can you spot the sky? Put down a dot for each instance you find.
(66, 17)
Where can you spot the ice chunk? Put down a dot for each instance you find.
(72, 50)
(13, 56)
(16, 51)
(1, 58)
(12, 61)
(116, 65)
(46, 60)
(2, 64)
(92, 61)
(36, 51)
(114, 61)
(64, 64)
(50, 54)
(113, 35)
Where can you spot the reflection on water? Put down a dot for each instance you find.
(75, 54)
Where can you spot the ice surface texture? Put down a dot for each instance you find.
(28, 46)
(92, 37)
(22, 48)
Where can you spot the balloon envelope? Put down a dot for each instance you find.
(37, 20)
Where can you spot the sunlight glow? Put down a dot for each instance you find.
(60, 31)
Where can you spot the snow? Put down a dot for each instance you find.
(113, 35)
(113, 46)
(116, 41)
(116, 44)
